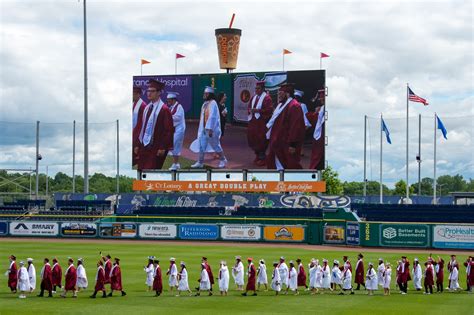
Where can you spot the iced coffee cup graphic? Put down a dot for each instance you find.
(228, 41)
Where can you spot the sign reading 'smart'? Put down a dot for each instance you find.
(34, 228)
(404, 235)
(227, 186)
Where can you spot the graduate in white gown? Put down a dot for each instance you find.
(454, 278)
(292, 279)
(380, 270)
(204, 281)
(23, 284)
(238, 273)
(276, 285)
(417, 274)
(183, 284)
(32, 274)
(150, 271)
(179, 125)
(346, 278)
(172, 274)
(387, 279)
(223, 278)
(262, 275)
(371, 282)
(326, 275)
(312, 276)
(336, 276)
(283, 268)
(81, 275)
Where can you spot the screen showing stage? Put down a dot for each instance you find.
(245, 144)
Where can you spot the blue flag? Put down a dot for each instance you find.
(442, 128)
(387, 133)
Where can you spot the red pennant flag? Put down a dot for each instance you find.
(179, 56)
(144, 62)
(286, 52)
(323, 55)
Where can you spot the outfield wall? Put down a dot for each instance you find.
(310, 231)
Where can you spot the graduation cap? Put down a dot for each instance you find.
(262, 261)
(151, 257)
(275, 263)
(282, 258)
(117, 259)
(260, 83)
(156, 84)
(249, 259)
(183, 263)
(172, 95)
(288, 88)
(238, 258)
(336, 262)
(208, 89)
(360, 255)
(298, 260)
(13, 257)
(299, 93)
(22, 263)
(172, 259)
(29, 259)
(204, 258)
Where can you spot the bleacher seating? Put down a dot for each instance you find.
(26, 203)
(66, 215)
(240, 212)
(12, 212)
(83, 204)
(414, 213)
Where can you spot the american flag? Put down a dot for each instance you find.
(415, 98)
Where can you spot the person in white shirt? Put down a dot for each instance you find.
(32, 274)
(380, 270)
(387, 278)
(82, 282)
(454, 278)
(336, 276)
(183, 284)
(173, 274)
(417, 274)
(325, 275)
(262, 275)
(150, 271)
(276, 285)
(346, 278)
(319, 275)
(223, 278)
(209, 132)
(312, 276)
(371, 282)
(179, 125)
(292, 279)
(283, 268)
(204, 281)
(238, 273)
(23, 284)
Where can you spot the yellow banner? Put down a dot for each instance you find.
(286, 233)
(228, 186)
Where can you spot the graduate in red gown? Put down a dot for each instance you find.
(157, 278)
(360, 273)
(429, 276)
(252, 278)
(469, 264)
(209, 271)
(116, 278)
(57, 275)
(155, 136)
(46, 279)
(260, 110)
(12, 274)
(70, 277)
(138, 106)
(404, 275)
(439, 270)
(99, 280)
(107, 267)
(301, 274)
(286, 130)
(318, 140)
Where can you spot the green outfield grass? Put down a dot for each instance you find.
(138, 301)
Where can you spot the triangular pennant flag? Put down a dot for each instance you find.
(179, 56)
(323, 55)
(286, 52)
(144, 62)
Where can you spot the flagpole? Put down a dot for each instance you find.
(365, 155)
(283, 61)
(86, 110)
(419, 154)
(381, 145)
(141, 67)
(407, 188)
(320, 62)
(175, 65)
(434, 164)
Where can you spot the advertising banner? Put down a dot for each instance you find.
(119, 230)
(81, 229)
(34, 228)
(241, 232)
(3, 228)
(352, 233)
(334, 234)
(158, 231)
(198, 232)
(285, 233)
(228, 186)
(453, 236)
(404, 235)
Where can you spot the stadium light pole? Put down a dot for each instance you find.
(86, 134)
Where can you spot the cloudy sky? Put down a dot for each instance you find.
(376, 48)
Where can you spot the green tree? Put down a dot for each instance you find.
(400, 188)
(426, 187)
(333, 184)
